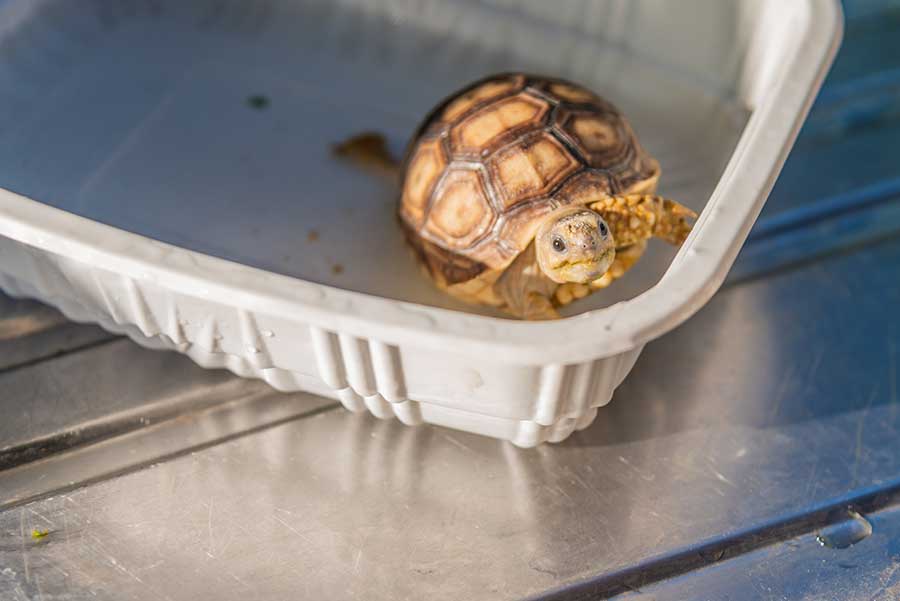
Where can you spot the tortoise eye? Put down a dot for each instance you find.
(558, 244)
(603, 229)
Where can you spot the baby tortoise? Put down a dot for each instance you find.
(525, 193)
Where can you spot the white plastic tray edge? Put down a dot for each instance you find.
(362, 374)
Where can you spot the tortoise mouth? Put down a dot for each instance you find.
(580, 262)
(595, 260)
(585, 270)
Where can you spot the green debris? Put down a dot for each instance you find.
(38, 534)
(258, 102)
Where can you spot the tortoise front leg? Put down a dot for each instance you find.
(625, 260)
(570, 291)
(636, 217)
(538, 307)
(524, 290)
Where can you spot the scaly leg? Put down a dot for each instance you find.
(570, 291)
(524, 290)
(636, 217)
(625, 260)
(538, 307)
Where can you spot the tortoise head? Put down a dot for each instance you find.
(574, 244)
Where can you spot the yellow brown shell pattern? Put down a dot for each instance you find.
(489, 162)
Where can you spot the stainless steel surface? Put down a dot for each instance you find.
(774, 401)
(104, 380)
(866, 571)
(30, 332)
(157, 432)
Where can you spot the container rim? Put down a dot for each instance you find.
(693, 277)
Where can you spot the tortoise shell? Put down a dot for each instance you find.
(493, 159)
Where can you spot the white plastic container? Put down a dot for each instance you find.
(144, 189)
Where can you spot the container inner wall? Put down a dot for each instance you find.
(208, 124)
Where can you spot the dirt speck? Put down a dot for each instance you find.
(258, 102)
(337, 269)
(312, 236)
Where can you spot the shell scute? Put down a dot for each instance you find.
(602, 137)
(424, 170)
(491, 89)
(571, 93)
(460, 212)
(530, 168)
(585, 187)
(502, 119)
(519, 226)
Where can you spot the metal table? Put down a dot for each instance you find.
(753, 453)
